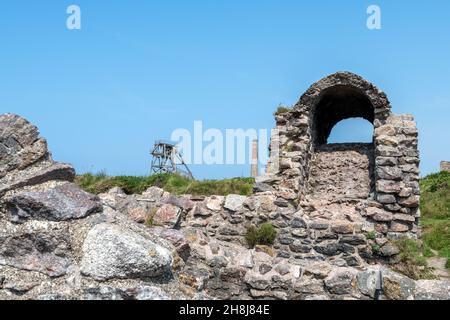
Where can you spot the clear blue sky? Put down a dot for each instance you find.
(140, 69)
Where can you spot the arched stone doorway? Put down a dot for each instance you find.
(336, 104)
(343, 170)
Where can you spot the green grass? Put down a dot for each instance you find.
(265, 234)
(101, 182)
(435, 208)
(371, 235)
(412, 259)
(435, 223)
(435, 196)
(436, 234)
(282, 109)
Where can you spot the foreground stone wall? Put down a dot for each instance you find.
(58, 242)
(210, 233)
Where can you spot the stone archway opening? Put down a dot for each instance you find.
(345, 169)
(336, 104)
(352, 130)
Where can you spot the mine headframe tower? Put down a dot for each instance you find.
(167, 159)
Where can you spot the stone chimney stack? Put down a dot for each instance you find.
(254, 163)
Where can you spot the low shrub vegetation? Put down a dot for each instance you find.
(282, 109)
(371, 235)
(412, 259)
(176, 184)
(265, 234)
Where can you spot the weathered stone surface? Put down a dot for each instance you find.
(139, 209)
(396, 286)
(59, 203)
(388, 151)
(262, 187)
(137, 293)
(113, 252)
(367, 281)
(52, 297)
(406, 192)
(341, 281)
(287, 194)
(183, 202)
(144, 292)
(175, 237)
(319, 224)
(268, 294)
(341, 170)
(138, 213)
(387, 140)
(20, 145)
(309, 286)
(103, 293)
(234, 202)
(299, 247)
(200, 210)
(298, 222)
(386, 161)
(383, 216)
(387, 129)
(214, 203)
(257, 281)
(38, 246)
(386, 198)
(342, 227)
(356, 240)
(388, 186)
(399, 227)
(389, 173)
(194, 277)
(327, 248)
(153, 194)
(168, 215)
(432, 290)
(411, 202)
(389, 250)
(265, 203)
(41, 174)
(112, 198)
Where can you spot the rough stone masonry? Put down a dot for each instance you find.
(335, 207)
(343, 192)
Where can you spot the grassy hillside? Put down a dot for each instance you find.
(99, 183)
(435, 208)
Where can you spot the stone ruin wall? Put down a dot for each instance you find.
(59, 242)
(342, 203)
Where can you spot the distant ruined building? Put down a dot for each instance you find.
(445, 166)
